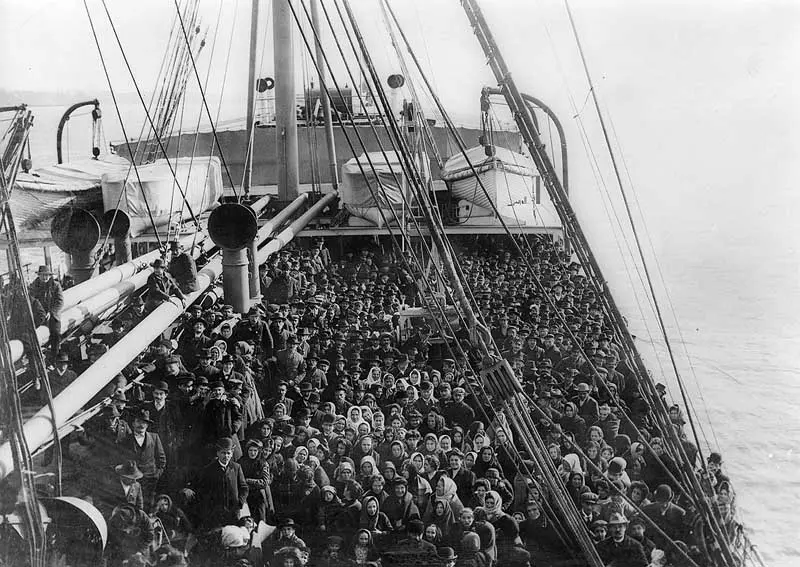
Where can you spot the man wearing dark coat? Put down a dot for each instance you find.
(191, 344)
(619, 549)
(221, 417)
(182, 268)
(48, 292)
(146, 450)
(160, 286)
(256, 331)
(221, 488)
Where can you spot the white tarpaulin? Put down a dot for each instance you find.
(386, 181)
(198, 178)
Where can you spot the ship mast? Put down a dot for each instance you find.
(251, 99)
(286, 152)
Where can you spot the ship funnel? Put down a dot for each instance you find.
(233, 227)
(76, 232)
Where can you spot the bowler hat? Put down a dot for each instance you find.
(446, 554)
(44, 271)
(161, 386)
(143, 415)
(157, 263)
(663, 493)
(225, 444)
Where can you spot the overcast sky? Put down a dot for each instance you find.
(702, 93)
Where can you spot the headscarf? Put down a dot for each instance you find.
(574, 462)
(345, 464)
(366, 415)
(353, 422)
(450, 494)
(283, 406)
(398, 508)
(482, 466)
(388, 466)
(474, 459)
(301, 450)
(459, 446)
(446, 521)
(367, 459)
(366, 521)
(496, 511)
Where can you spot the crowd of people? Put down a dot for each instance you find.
(325, 427)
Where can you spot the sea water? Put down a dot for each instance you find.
(731, 267)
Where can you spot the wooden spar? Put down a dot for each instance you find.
(286, 149)
(254, 280)
(286, 236)
(323, 90)
(80, 292)
(251, 98)
(92, 308)
(39, 429)
(272, 224)
(100, 294)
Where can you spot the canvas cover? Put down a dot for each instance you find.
(384, 178)
(199, 178)
(40, 193)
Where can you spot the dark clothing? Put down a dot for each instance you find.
(221, 493)
(627, 553)
(184, 270)
(258, 334)
(51, 297)
(220, 418)
(149, 456)
(49, 294)
(160, 287)
(416, 546)
(458, 413)
(189, 348)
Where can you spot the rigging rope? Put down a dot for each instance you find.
(585, 263)
(721, 540)
(147, 114)
(419, 265)
(205, 105)
(119, 117)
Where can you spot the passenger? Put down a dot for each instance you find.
(161, 286)
(357, 409)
